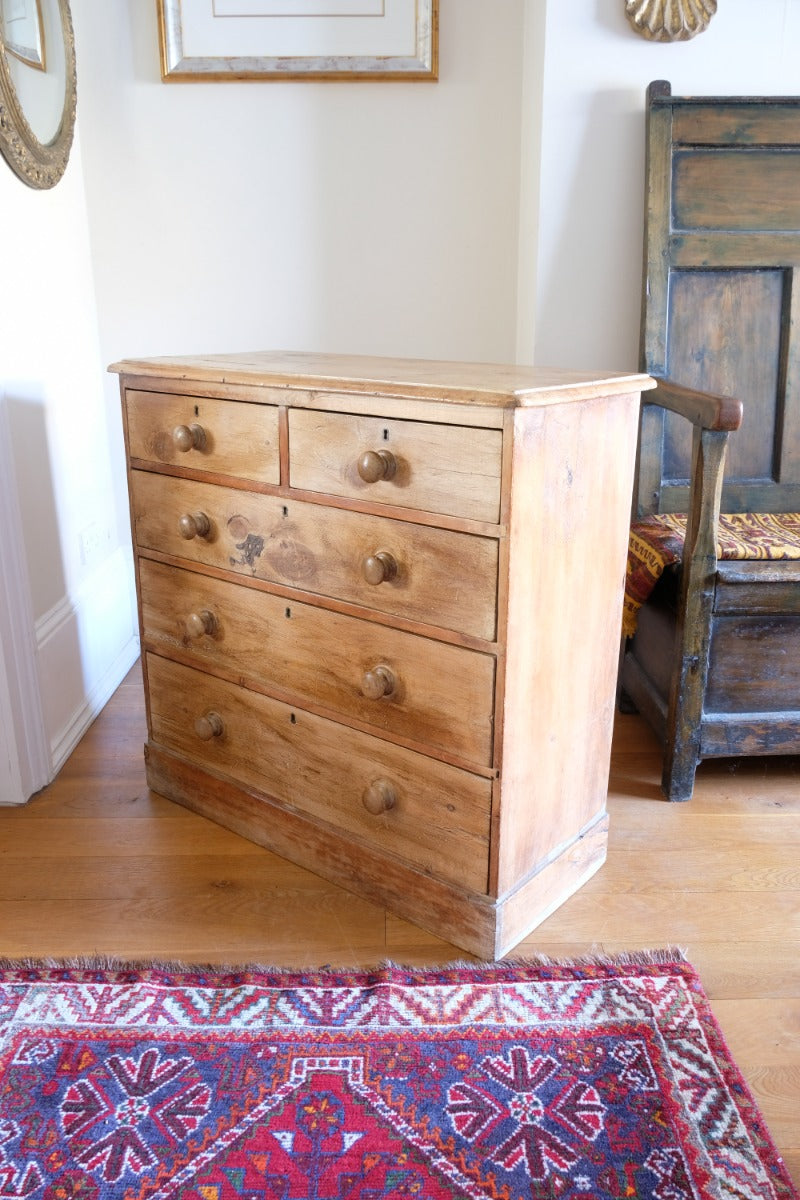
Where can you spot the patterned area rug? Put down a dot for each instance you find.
(595, 1079)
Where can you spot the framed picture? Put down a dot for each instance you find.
(298, 39)
(22, 31)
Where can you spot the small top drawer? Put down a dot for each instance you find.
(225, 436)
(448, 469)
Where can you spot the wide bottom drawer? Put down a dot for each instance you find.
(432, 815)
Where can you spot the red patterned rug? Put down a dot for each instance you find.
(587, 1080)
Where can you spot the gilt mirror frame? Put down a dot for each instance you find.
(38, 164)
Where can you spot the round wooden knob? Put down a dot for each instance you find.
(377, 683)
(377, 464)
(200, 623)
(189, 437)
(379, 567)
(209, 726)
(379, 797)
(194, 525)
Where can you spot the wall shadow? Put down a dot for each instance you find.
(33, 472)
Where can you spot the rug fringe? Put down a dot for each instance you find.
(105, 962)
(594, 958)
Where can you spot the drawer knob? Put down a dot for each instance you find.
(379, 797)
(194, 525)
(377, 683)
(200, 623)
(189, 437)
(209, 726)
(379, 567)
(377, 464)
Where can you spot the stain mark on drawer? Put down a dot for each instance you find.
(252, 548)
(292, 560)
(238, 527)
(289, 557)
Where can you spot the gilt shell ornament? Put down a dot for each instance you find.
(670, 20)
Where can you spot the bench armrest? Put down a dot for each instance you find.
(701, 408)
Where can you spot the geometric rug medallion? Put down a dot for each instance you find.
(595, 1080)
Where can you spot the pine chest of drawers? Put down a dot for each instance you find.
(380, 604)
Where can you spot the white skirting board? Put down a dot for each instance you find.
(51, 691)
(85, 646)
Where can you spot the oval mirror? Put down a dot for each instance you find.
(37, 88)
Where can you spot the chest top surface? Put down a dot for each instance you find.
(494, 385)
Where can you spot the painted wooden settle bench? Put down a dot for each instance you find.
(714, 662)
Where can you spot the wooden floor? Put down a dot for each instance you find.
(96, 864)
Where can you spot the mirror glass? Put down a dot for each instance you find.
(37, 88)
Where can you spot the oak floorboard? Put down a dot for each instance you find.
(87, 837)
(97, 864)
(189, 875)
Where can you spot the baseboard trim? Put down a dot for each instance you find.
(68, 738)
(86, 645)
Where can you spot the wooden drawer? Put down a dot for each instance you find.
(234, 438)
(440, 695)
(442, 578)
(439, 818)
(438, 468)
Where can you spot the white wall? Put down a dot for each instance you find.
(592, 164)
(74, 596)
(363, 217)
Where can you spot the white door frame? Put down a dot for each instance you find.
(11, 791)
(25, 761)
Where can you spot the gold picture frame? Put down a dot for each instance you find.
(22, 31)
(298, 39)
